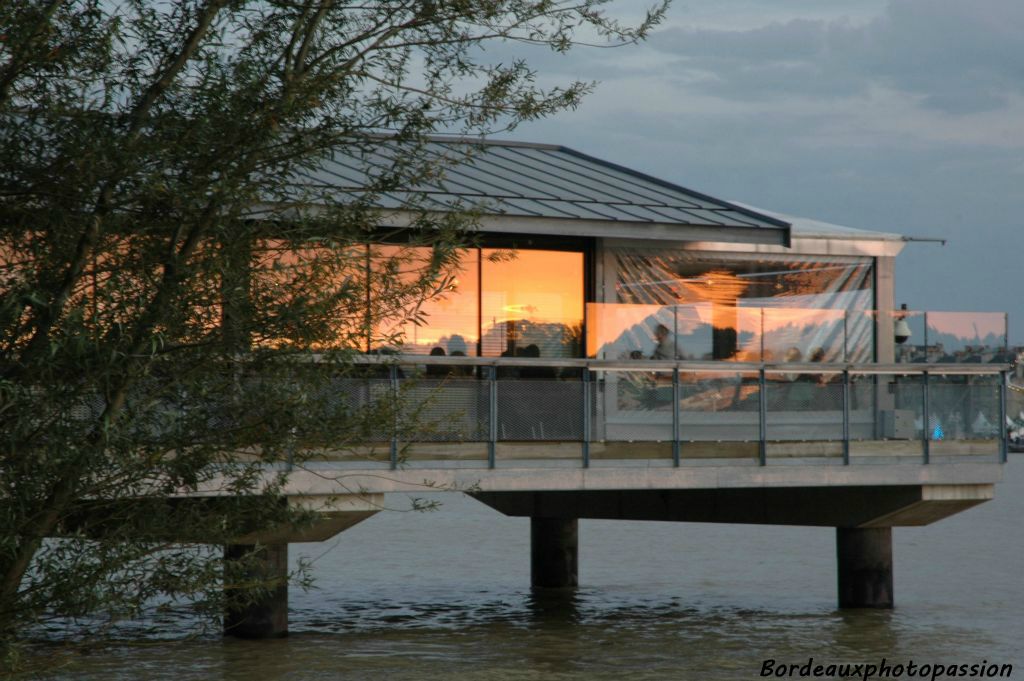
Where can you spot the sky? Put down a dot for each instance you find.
(902, 116)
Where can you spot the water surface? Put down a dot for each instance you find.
(445, 595)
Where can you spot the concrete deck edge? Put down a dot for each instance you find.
(421, 480)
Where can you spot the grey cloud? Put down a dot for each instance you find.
(797, 39)
(968, 194)
(959, 57)
(966, 101)
(784, 132)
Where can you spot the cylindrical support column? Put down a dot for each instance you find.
(554, 552)
(864, 557)
(266, 617)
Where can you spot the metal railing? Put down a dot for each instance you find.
(689, 410)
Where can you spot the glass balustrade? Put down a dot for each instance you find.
(505, 412)
(705, 331)
(708, 331)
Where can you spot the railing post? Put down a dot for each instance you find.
(762, 423)
(1004, 445)
(925, 418)
(675, 416)
(762, 334)
(846, 336)
(492, 407)
(925, 315)
(393, 373)
(675, 331)
(846, 417)
(586, 417)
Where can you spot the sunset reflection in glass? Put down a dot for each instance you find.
(533, 298)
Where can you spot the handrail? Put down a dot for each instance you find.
(686, 366)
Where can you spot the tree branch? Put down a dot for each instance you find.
(12, 69)
(48, 315)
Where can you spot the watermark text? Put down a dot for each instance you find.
(885, 669)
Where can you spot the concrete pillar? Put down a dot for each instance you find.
(885, 343)
(554, 548)
(865, 567)
(885, 303)
(266, 617)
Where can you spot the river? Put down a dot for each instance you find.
(445, 595)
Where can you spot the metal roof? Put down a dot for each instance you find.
(516, 179)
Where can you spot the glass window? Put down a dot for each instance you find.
(741, 306)
(424, 304)
(532, 303)
(747, 280)
(308, 296)
(416, 300)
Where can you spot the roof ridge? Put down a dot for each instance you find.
(487, 142)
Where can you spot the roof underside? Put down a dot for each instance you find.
(541, 181)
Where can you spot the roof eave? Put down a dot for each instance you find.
(654, 231)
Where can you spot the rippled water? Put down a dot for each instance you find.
(445, 595)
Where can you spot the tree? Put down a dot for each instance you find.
(163, 262)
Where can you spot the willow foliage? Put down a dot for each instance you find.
(149, 163)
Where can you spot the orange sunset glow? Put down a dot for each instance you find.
(530, 289)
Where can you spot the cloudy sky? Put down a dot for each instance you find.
(896, 115)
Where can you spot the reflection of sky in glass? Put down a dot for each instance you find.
(535, 298)
(950, 337)
(627, 331)
(957, 330)
(817, 334)
(449, 316)
(530, 297)
(281, 274)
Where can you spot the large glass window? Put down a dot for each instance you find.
(747, 280)
(528, 303)
(722, 306)
(532, 303)
(312, 296)
(431, 313)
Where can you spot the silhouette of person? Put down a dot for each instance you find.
(664, 343)
(532, 351)
(508, 372)
(460, 370)
(437, 370)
